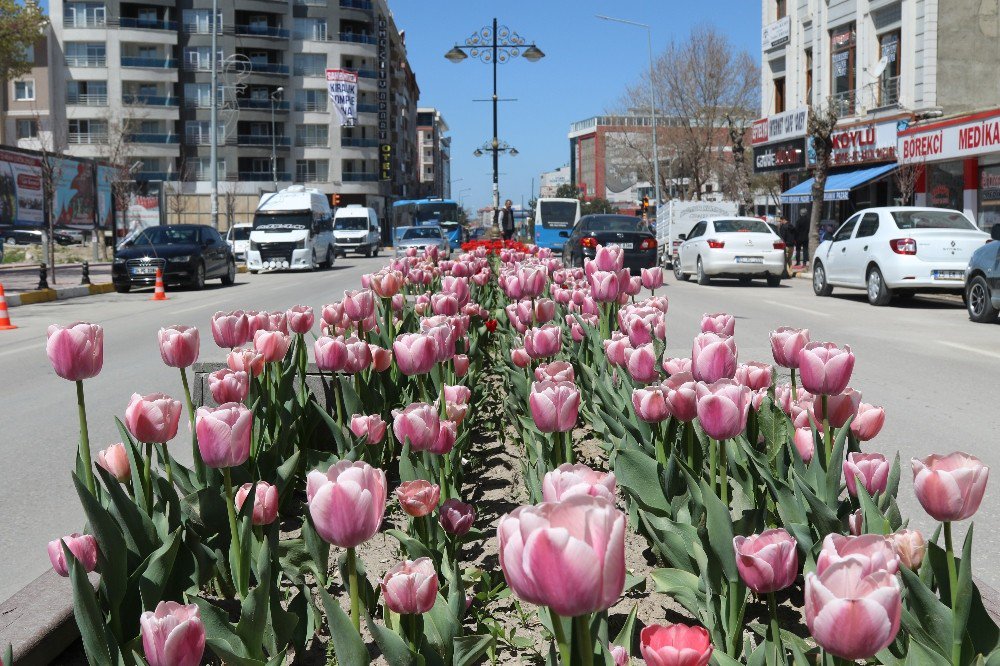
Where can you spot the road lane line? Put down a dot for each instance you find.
(21, 350)
(795, 307)
(191, 309)
(968, 348)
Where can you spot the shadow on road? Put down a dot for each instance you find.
(919, 302)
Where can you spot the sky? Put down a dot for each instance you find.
(588, 64)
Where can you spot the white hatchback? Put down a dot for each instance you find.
(898, 251)
(735, 247)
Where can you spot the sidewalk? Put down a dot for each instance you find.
(20, 282)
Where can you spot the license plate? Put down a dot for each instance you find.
(749, 260)
(144, 270)
(627, 246)
(948, 275)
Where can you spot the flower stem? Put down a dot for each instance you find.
(352, 575)
(723, 473)
(584, 643)
(568, 447)
(88, 467)
(147, 478)
(689, 437)
(772, 609)
(713, 464)
(166, 463)
(956, 639)
(795, 396)
(827, 434)
(565, 647)
(234, 532)
(199, 465)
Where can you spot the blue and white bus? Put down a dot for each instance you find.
(554, 221)
(419, 212)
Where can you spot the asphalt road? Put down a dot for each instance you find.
(933, 370)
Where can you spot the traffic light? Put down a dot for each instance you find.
(336, 200)
(645, 204)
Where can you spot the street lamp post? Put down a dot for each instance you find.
(652, 103)
(495, 46)
(274, 140)
(214, 117)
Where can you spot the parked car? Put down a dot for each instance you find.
(189, 254)
(420, 237)
(897, 251)
(730, 247)
(34, 237)
(627, 231)
(238, 239)
(982, 281)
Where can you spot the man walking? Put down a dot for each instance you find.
(786, 231)
(802, 225)
(507, 220)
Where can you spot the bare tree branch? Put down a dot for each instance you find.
(822, 122)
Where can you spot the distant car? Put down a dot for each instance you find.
(189, 254)
(730, 247)
(238, 239)
(421, 237)
(982, 281)
(33, 237)
(627, 231)
(898, 251)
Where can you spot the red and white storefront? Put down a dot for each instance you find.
(961, 159)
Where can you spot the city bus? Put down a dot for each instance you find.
(418, 212)
(554, 217)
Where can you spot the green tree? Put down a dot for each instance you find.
(21, 26)
(567, 191)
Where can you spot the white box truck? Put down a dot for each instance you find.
(292, 230)
(678, 217)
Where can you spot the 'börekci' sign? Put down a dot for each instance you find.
(965, 136)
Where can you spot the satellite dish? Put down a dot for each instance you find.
(879, 67)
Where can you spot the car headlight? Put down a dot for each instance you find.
(118, 262)
(183, 259)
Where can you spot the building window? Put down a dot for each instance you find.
(24, 91)
(842, 55)
(311, 29)
(809, 75)
(781, 7)
(946, 184)
(989, 197)
(84, 15)
(199, 21)
(779, 95)
(29, 53)
(88, 131)
(199, 57)
(198, 133)
(27, 129)
(200, 168)
(310, 64)
(87, 93)
(312, 136)
(311, 100)
(311, 171)
(86, 54)
(198, 95)
(889, 79)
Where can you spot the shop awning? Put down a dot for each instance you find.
(838, 185)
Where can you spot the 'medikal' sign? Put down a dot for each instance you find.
(782, 156)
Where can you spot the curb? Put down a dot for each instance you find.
(60, 294)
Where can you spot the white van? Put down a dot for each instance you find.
(356, 229)
(292, 229)
(238, 239)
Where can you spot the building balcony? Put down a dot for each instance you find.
(86, 61)
(150, 100)
(364, 5)
(312, 107)
(312, 177)
(202, 140)
(156, 175)
(312, 141)
(147, 24)
(84, 22)
(353, 142)
(86, 138)
(359, 177)
(367, 108)
(367, 73)
(308, 71)
(149, 63)
(268, 68)
(264, 176)
(261, 31)
(845, 103)
(311, 3)
(152, 137)
(261, 104)
(87, 99)
(262, 140)
(356, 38)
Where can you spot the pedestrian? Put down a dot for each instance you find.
(786, 231)
(507, 220)
(802, 225)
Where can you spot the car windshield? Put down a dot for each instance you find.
(931, 219)
(281, 222)
(240, 233)
(744, 226)
(557, 214)
(166, 236)
(615, 223)
(351, 223)
(416, 233)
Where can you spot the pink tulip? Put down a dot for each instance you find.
(783, 397)
(604, 286)
(445, 442)
(381, 358)
(615, 349)
(418, 498)
(841, 407)
(805, 444)
(277, 322)
(300, 319)
(824, 368)
(333, 314)
(83, 547)
(556, 371)
(371, 429)
(633, 286)
(619, 655)
(419, 424)
(682, 396)
(410, 587)
(868, 422)
(652, 278)
(152, 418)
(856, 523)
(76, 351)
(228, 386)
(230, 329)
(568, 480)
(676, 366)
(179, 345)
(359, 356)
(852, 612)
(272, 345)
(347, 502)
(713, 357)
(330, 353)
(569, 555)
(461, 362)
(246, 360)
(456, 517)
(950, 487)
(650, 403)
(608, 258)
(115, 462)
(640, 363)
(359, 305)
(786, 343)
(720, 324)
(874, 551)
(545, 310)
(910, 547)
(722, 408)
(532, 280)
(675, 645)
(265, 503)
(457, 394)
(871, 468)
(386, 284)
(543, 342)
(554, 406)
(172, 635)
(444, 304)
(519, 357)
(224, 434)
(415, 353)
(257, 321)
(768, 561)
(754, 375)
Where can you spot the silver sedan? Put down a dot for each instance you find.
(421, 237)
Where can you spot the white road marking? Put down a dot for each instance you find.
(22, 350)
(795, 307)
(975, 350)
(191, 309)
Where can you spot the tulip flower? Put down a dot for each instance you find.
(640, 363)
(228, 386)
(608, 258)
(230, 329)
(604, 286)
(754, 375)
(300, 319)
(114, 460)
(543, 342)
(444, 304)
(359, 305)
(722, 408)
(76, 351)
(172, 635)
(359, 355)
(856, 523)
(768, 561)
(871, 468)
(257, 321)
(569, 555)
(824, 368)
(852, 612)
(568, 480)
(720, 324)
(246, 360)
(381, 358)
(681, 396)
(152, 418)
(874, 551)
(556, 371)
(265, 503)
(676, 366)
(445, 441)
(277, 322)
(461, 362)
(370, 429)
(619, 655)
(410, 587)
(519, 357)
(179, 345)
(554, 406)
(418, 498)
(675, 645)
(82, 546)
(650, 403)
(652, 278)
(868, 422)
(224, 434)
(615, 348)
(330, 353)
(786, 343)
(910, 547)
(713, 357)
(458, 394)
(272, 345)
(804, 444)
(456, 517)
(950, 487)
(418, 424)
(841, 407)
(415, 353)
(386, 284)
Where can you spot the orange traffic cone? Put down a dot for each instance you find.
(5, 324)
(159, 293)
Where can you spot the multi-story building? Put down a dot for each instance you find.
(141, 70)
(27, 103)
(435, 154)
(549, 182)
(906, 78)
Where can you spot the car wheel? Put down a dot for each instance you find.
(123, 288)
(377, 249)
(198, 281)
(878, 294)
(679, 275)
(230, 276)
(773, 280)
(367, 252)
(703, 279)
(978, 300)
(331, 256)
(313, 264)
(820, 286)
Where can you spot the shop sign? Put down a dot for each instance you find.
(385, 145)
(860, 144)
(783, 156)
(780, 127)
(961, 137)
(776, 34)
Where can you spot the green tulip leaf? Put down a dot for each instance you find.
(318, 549)
(347, 643)
(87, 612)
(393, 648)
(110, 541)
(925, 618)
(139, 532)
(441, 627)
(720, 532)
(468, 649)
(157, 569)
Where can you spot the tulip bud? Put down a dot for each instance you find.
(768, 561)
(82, 546)
(228, 386)
(179, 345)
(347, 502)
(713, 357)
(172, 635)
(786, 343)
(114, 460)
(720, 324)
(675, 645)
(152, 418)
(910, 547)
(871, 468)
(456, 517)
(418, 498)
(76, 351)
(272, 345)
(230, 329)
(418, 423)
(224, 434)
(410, 587)
(265, 503)
(950, 487)
(371, 428)
(300, 319)
(568, 480)
(824, 368)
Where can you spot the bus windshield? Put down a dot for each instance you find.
(558, 214)
(279, 222)
(441, 211)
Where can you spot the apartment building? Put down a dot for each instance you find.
(434, 154)
(27, 103)
(141, 69)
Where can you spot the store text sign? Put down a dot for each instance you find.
(780, 127)
(962, 137)
(864, 143)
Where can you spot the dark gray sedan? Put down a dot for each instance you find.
(982, 280)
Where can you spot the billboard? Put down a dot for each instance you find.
(343, 88)
(76, 197)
